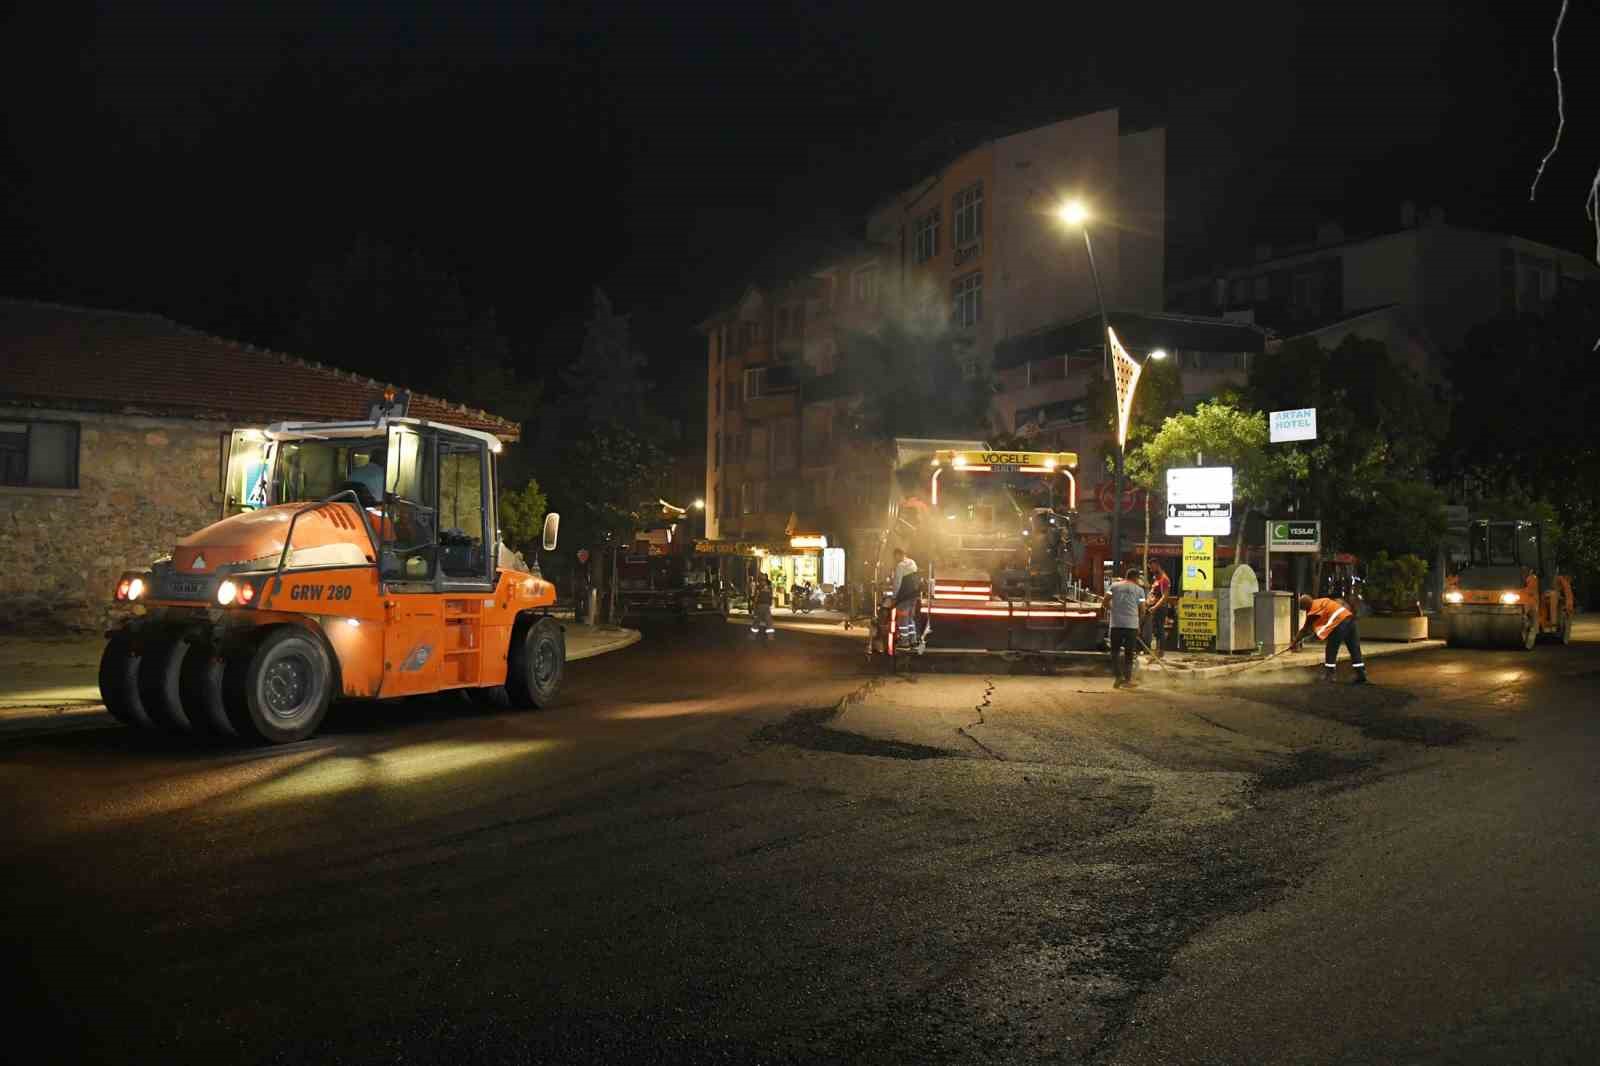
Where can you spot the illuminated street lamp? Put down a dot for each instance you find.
(700, 505)
(1075, 214)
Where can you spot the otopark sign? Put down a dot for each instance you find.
(1199, 558)
(1290, 535)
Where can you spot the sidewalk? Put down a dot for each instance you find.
(58, 675)
(1188, 668)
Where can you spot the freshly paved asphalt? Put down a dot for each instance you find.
(700, 856)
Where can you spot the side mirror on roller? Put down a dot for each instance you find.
(552, 526)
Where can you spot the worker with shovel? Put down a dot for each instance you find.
(1334, 622)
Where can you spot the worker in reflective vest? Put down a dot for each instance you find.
(1333, 622)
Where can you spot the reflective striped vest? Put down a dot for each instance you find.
(1325, 616)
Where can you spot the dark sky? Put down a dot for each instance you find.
(199, 158)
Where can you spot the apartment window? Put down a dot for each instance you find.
(40, 455)
(864, 286)
(969, 215)
(1043, 370)
(1308, 294)
(968, 299)
(927, 236)
(747, 498)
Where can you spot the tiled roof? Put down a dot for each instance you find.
(146, 364)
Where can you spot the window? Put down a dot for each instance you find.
(1043, 370)
(747, 498)
(969, 215)
(927, 236)
(864, 286)
(968, 300)
(1263, 289)
(1308, 295)
(1242, 288)
(461, 511)
(40, 455)
(749, 334)
(783, 322)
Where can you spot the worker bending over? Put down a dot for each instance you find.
(1333, 621)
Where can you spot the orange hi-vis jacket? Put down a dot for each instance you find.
(1325, 616)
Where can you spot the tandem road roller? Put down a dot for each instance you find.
(1510, 593)
(363, 561)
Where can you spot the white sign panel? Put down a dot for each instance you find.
(1299, 424)
(1199, 501)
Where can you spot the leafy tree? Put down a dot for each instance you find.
(385, 311)
(522, 514)
(606, 381)
(1378, 428)
(1220, 435)
(1517, 446)
(917, 377)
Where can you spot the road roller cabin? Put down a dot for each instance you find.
(1510, 593)
(356, 560)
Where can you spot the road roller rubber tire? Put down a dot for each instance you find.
(537, 664)
(119, 682)
(1564, 627)
(277, 690)
(493, 696)
(200, 686)
(158, 683)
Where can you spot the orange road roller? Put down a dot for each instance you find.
(357, 560)
(1510, 593)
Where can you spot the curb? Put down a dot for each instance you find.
(628, 638)
(1172, 676)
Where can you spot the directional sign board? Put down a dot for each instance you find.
(1197, 623)
(1299, 424)
(1199, 501)
(1291, 535)
(1198, 564)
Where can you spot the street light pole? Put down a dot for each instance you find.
(1074, 213)
(1111, 372)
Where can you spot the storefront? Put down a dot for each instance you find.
(805, 558)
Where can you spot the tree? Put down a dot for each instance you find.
(917, 377)
(1220, 435)
(385, 311)
(1378, 432)
(606, 381)
(522, 514)
(1529, 445)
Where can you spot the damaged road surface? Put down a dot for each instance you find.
(722, 852)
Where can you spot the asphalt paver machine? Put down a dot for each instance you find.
(992, 534)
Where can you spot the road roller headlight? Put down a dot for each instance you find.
(231, 592)
(131, 588)
(1510, 597)
(1453, 597)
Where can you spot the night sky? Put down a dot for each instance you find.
(199, 159)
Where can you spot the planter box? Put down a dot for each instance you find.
(1400, 627)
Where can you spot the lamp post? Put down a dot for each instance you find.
(1075, 213)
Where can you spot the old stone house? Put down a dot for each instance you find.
(114, 435)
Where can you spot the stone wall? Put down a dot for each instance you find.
(142, 484)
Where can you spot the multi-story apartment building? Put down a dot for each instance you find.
(978, 236)
(1420, 288)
